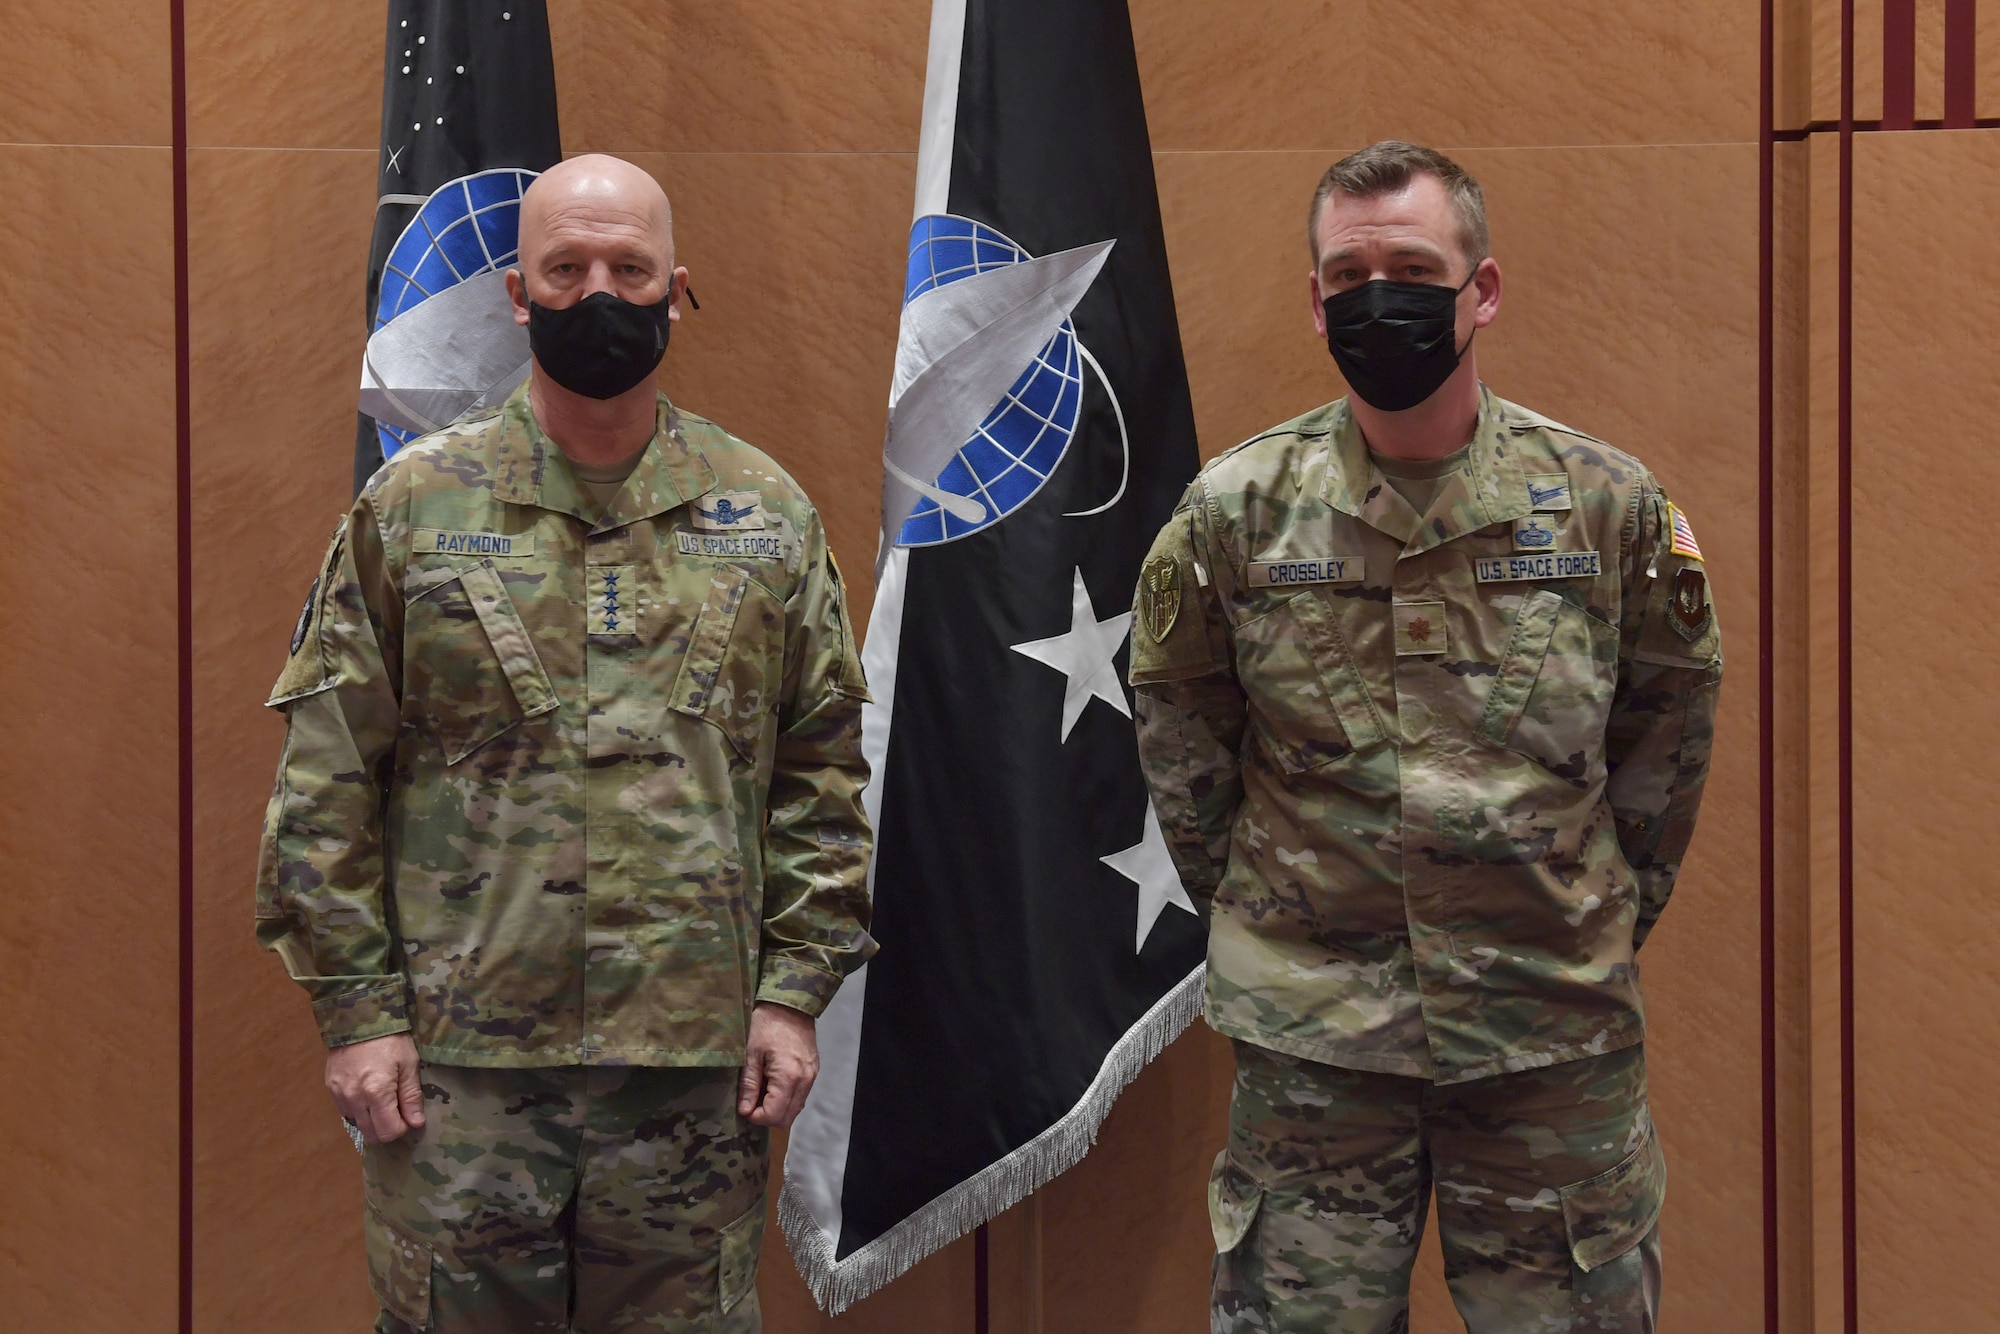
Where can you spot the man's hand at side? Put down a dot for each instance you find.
(375, 1085)
(780, 1066)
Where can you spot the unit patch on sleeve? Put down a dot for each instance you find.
(1690, 609)
(446, 542)
(1160, 596)
(305, 616)
(614, 600)
(1554, 565)
(1310, 570)
(1684, 543)
(731, 512)
(1548, 491)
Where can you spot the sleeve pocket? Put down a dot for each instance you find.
(1609, 1214)
(1234, 1198)
(742, 1243)
(399, 1270)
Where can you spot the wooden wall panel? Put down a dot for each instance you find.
(89, 973)
(88, 966)
(1926, 788)
(1590, 241)
(279, 239)
(86, 72)
(1631, 263)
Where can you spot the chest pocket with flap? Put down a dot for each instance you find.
(1552, 694)
(470, 670)
(731, 674)
(1309, 706)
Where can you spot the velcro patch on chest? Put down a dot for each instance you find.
(614, 599)
(730, 546)
(730, 512)
(1549, 491)
(1552, 565)
(1307, 570)
(1420, 628)
(1535, 532)
(455, 542)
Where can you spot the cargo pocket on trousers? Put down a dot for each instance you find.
(399, 1270)
(1610, 1220)
(742, 1243)
(1234, 1197)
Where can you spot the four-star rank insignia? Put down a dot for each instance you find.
(1160, 596)
(1689, 609)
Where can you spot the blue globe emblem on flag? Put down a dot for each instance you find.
(1018, 445)
(468, 227)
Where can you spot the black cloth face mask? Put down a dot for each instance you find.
(1395, 342)
(601, 346)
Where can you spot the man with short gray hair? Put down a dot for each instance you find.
(567, 845)
(1426, 687)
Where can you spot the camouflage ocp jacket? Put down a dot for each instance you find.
(558, 790)
(1435, 772)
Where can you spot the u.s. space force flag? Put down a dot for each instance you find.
(468, 89)
(1037, 946)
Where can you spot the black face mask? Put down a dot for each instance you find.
(601, 346)
(1395, 342)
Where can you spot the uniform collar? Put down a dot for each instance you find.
(1488, 488)
(534, 471)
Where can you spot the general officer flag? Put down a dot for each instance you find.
(1037, 945)
(468, 86)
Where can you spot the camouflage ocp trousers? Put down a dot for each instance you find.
(1548, 1182)
(584, 1199)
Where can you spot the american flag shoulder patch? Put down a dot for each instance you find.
(1684, 543)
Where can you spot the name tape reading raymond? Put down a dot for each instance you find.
(1316, 570)
(1548, 565)
(446, 542)
(730, 545)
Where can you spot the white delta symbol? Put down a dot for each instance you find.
(444, 339)
(987, 395)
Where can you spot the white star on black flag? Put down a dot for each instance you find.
(1040, 433)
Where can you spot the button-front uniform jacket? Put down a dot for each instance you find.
(558, 790)
(1435, 772)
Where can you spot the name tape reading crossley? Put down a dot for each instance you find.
(1314, 570)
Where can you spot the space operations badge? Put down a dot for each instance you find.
(735, 512)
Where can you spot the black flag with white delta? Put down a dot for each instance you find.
(1037, 945)
(468, 89)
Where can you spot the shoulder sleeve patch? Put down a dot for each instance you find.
(1678, 628)
(305, 668)
(1177, 629)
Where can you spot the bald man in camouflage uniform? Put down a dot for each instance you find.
(567, 845)
(1425, 697)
